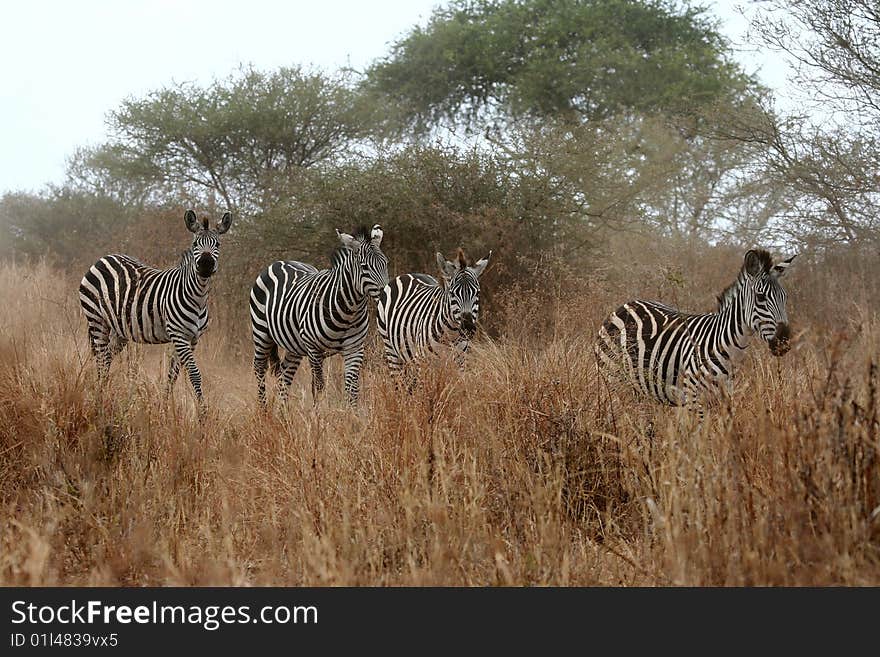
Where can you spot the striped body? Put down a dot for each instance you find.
(314, 314)
(416, 315)
(668, 355)
(679, 358)
(414, 318)
(125, 300)
(140, 303)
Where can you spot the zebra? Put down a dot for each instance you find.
(676, 358)
(313, 313)
(416, 314)
(126, 300)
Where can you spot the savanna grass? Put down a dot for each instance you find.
(525, 469)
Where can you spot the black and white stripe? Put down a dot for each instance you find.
(677, 358)
(125, 300)
(313, 314)
(416, 314)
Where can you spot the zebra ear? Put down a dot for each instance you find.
(752, 263)
(481, 265)
(225, 223)
(780, 268)
(376, 234)
(192, 224)
(447, 268)
(348, 241)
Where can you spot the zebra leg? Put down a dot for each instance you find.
(117, 344)
(316, 360)
(98, 331)
(405, 372)
(289, 366)
(184, 351)
(353, 361)
(265, 358)
(401, 371)
(694, 399)
(392, 358)
(173, 371)
(261, 364)
(99, 341)
(394, 363)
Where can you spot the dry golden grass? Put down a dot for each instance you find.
(524, 470)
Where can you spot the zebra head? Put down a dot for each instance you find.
(463, 289)
(206, 242)
(371, 263)
(766, 299)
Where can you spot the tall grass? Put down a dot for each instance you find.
(524, 469)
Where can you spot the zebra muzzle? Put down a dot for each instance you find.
(468, 324)
(781, 342)
(205, 265)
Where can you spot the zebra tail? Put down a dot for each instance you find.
(274, 360)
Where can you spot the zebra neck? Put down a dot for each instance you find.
(445, 319)
(194, 286)
(344, 292)
(735, 329)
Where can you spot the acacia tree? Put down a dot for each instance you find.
(231, 140)
(829, 167)
(647, 174)
(835, 47)
(715, 189)
(609, 99)
(580, 59)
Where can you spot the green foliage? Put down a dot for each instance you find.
(611, 117)
(59, 223)
(230, 140)
(585, 59)
(428, 199)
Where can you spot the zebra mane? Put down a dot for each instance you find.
(765, 258)
(362, 234)
(730, 291)
(728, 294)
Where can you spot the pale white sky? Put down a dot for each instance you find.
(65, 64)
